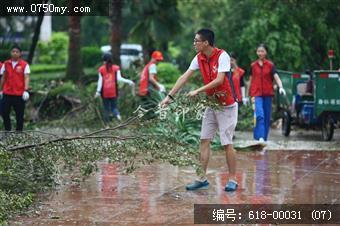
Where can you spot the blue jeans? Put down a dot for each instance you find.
(263, 108)
(110, 107)
(1, 105)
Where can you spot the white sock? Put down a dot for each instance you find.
(233, 180)
(202, 179)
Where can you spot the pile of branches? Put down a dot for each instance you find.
(33, 161)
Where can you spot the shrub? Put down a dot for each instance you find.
(245, 118)
(91, 56)
(167, 73)
(67, 88)
(47, 68)
(54, 51)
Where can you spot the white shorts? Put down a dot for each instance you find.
(224, 120)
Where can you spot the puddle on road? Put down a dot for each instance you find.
(156, 194)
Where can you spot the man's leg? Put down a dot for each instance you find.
(19, 108)
(231, 161)
(209, 127)
(205, 152)
(202, 181)
(6, 112)
(227, 121)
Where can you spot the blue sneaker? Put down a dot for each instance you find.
(231, 186)
(197, 185)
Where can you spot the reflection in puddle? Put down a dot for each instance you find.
(156, 194)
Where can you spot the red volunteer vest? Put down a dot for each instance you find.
(109, 88)
(237, 76)
(144, 82)
(262, 79)
(209, 70)
(15, 78)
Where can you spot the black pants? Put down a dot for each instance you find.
(18, 104)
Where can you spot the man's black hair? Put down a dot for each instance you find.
(233, 55)
(207, 35)
(15, 46)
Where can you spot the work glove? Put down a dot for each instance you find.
(97, 95)
(133, 87)
(245, 100)
(161, 88)
(25, 96)
(282, 91)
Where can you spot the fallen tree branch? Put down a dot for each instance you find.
(122, 125)
(16, 148)
(80, 137)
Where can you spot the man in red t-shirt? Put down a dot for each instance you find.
(214, 64)
(148, 77)
(14, 85)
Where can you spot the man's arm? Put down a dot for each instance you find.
(250, 78)
(27, 81)
(181, 81)
(153, 81)
(178, 85)
(216, 82)
(27, 76)
(2, 76)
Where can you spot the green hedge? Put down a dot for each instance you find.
(91, 56)
(167, 73)
(47, 68)
(54, 51)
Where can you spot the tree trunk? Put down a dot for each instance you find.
(116, 23)
(35, 38)
(74, 69)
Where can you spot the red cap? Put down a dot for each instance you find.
(157, 55)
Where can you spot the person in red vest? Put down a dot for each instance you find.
(238, 80)
(262, 75)
(14, 85)
(148, 79)
(1, 105)
(214, 65)
(107, 86)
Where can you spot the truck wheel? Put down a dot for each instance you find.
(286, 122)
(327, 128)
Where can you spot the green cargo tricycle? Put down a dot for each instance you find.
(312, 101)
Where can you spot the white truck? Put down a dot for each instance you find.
(129, 53)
